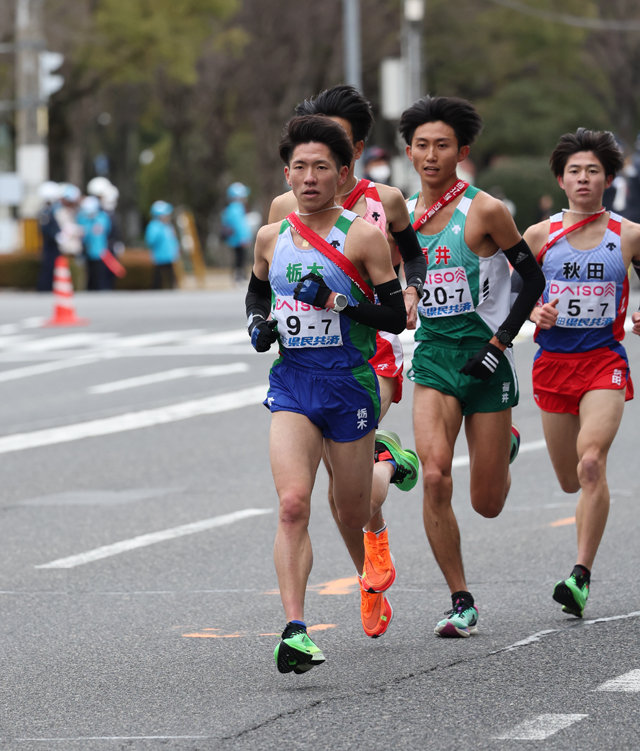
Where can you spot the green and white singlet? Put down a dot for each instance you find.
(466, 298)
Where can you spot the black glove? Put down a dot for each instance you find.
(312, 290)
(263, 334)
(483, 364)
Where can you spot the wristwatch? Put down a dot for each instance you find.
(418, 285)
(504, 337)
(340, 302)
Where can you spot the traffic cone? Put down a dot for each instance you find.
(64, 313)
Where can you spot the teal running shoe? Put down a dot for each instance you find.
(572, 597)
(462, 621)
(296, 651)
(515, 444)
(388, 446)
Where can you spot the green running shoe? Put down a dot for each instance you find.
(461, 622)
(388, 446)
(296, 651)
(572, 597)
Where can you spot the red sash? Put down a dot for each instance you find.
(549, 243)
(359, 190)
(454, 191)
(339, 259)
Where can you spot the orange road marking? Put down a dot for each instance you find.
(344, 586)
(564, 522)
(203, 635)
(337, 586)
(207, 633)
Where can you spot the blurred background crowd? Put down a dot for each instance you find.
(179, 102)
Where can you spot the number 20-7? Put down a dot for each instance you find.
(293, 325)
(440, 296)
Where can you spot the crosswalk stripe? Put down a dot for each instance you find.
(627, 683)
(541, 727)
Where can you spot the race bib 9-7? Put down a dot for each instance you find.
(301, 325)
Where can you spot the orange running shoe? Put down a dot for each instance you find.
(375, 612)
(379, 569)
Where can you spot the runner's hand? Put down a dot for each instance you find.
(312, 290)
(263, 334)
(483, 364)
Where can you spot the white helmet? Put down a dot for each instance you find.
(98, 186)
(90, 205)
(110, 198)
(70, 193)
(49, 192)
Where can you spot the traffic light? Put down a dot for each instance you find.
(49, 82)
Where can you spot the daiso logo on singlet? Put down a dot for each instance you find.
(445, 276)
(581, 290)
(295, 306)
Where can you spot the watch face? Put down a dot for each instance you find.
(504, 337)
(340, 302)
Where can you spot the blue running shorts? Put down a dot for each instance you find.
(343, 404)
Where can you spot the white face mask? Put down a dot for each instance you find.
(379, 173)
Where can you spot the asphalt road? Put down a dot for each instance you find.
(139, 604)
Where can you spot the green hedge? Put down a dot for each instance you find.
(20, 271)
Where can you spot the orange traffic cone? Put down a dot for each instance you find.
(64, 313)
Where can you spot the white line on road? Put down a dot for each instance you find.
(50, 367)
(152, 538)
(133, 420)
(538, 636)
(629, 683)
(541, 727)
(169, 375)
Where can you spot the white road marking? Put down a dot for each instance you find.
(133, 420)
(539, 635)
(629, 683)
(169, 375)
(152, 538)
(541, 727)
(118, 738)
(50, 367)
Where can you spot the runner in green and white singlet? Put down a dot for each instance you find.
(460, 369)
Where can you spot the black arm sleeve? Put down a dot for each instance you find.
(636, 267)
(258, 300)
(390, 315)
(415, 264)
(533, 281)
(408, 244)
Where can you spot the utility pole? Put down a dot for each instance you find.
(351, 43)
(31, 112)
(412, 53)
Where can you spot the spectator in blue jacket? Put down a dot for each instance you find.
(161, 239)
(96, 225)
(236, 229)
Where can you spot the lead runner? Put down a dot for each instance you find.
(462, 366)
(312, 274)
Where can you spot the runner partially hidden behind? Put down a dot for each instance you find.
(382, 206)
(462, 366)
(581, 373)
(312, 272)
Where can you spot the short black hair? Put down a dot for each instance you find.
(458, 113)
(601, 142)
(345, 102)
(319, 129)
